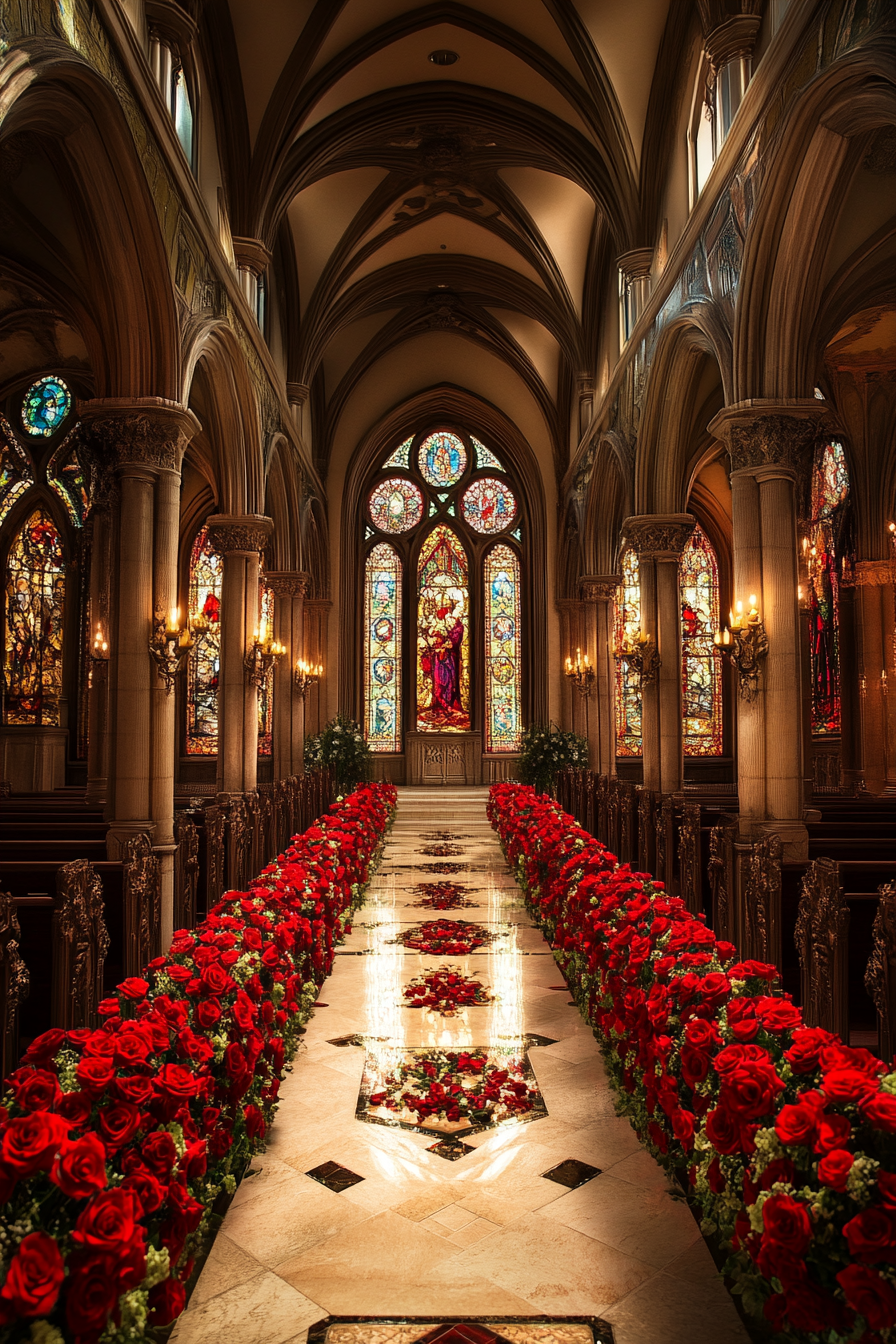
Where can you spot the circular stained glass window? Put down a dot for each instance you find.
(396, 505)
(47, 403)
(443, 459)
(488, 505)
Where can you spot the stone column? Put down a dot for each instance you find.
(289, 588)
(598, 592)
(104, 498)
(571, 638)
(772, 442)
(634, 272)
(140, 440)
(659, 539)
(240, 539)
(252, 262)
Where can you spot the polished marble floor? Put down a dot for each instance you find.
(487, 1234)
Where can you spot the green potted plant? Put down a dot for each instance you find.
(546, 750)
(342, 748)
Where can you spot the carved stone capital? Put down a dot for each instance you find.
(288, 582)
(660, 535)
(150, 432)
(770, 433)
(246, 532)
(635, 264)
(736, 37)
(598, 587)
(251, 255)
(874, 573)
(172, 24)
(296, 394)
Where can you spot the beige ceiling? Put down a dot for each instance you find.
(475, 207)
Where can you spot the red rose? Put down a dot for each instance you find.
(33, 1279)
(131, 1048)
(834, 1168)
(694, 1065)
(886, 1184)
(796, 1124)
(136, 1089)
(207, 1013)
(833, 1132)
(808, 1306)
(36, 1089)
(215, 980)
(714, 988)
(869, 1295)
(255, 1124)
(774, 1262)
(92, 1296)
(134, 988)
(844, 1085)
(235, 1061)
(166, 1302)
(108, 1222)
(880, 1110)
(786, 1222)
(723, 1131)
(159, 1153)
(149, 1191)
(80, 1169)
(871, 1235)
(45, 1047)
(95, 1073)
(30, 1142)
(808, 1043)
(75, 1107)
(778, 1015)
(119, 1122)
(750, 1091)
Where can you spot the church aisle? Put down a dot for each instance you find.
(481, 1234)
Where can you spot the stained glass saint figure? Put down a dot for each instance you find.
(35, 601)
(442, 635)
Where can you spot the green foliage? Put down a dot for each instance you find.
(342, 748)
(546, 750)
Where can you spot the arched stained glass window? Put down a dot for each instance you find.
(830, 489)
(266, 694)
(628, 687)
(206, 579)
(396, 505)
(443, 634)
(66, 476)
(382, 649)
(488, 505)
(35, 603)
(502, 644)
(15, 472)
(443, 459)
(701, 661)
(46, 404)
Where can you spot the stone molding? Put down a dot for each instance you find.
(736, 37)
(636, 263)
(288, 582)
(599, 587)
(297, 393)
(873, 573)
(150, 432)
(251, 255)
(660, 535)
(247, 532)
(172, 24)
(770, 433)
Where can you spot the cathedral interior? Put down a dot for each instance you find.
(447, 383)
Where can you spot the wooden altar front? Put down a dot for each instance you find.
(443, 758)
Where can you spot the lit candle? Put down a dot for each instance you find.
(726, 637)
(173, 626)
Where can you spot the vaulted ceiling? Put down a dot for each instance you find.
(460, 219)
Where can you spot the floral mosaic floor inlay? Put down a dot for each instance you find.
(446, 991)
(444, 1220)
(442, 851)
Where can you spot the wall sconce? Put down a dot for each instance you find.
(305, 675)
(581, 674)
(642, 656)
(172, 643)
(261, 657)
(745, 640)
(99, 649)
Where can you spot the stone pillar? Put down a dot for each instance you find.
(317, 633)
(659, 539)
(142, 441)
(289, 588)
(634, 281)
(100, 522)
(874, 606)
(772, 442)
(598, 592)
(252, 262)
(164, 722)
(730, 48)
(240, 539)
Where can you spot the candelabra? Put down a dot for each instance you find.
(746, 643)
(172, 643)
(642, 656)
(261, 657)
(581, 674)
(305, 675)
(99, 650)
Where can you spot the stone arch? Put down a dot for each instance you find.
(218, 387)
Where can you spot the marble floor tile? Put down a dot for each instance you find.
(668, 1309)
(645, 1223)
(264, 1310)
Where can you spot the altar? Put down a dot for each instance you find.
(443, 758)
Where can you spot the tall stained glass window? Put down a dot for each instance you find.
(502, 644)
(206, 578)
(628, 687)
(66, 476)
(701, 661)
(443, 634)
(830, 489)
(266, 694)
(35, 603)
(382, 649)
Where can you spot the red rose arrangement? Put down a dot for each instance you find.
(446, 991)
(446, 938)
(441, 896)
(115, 1142)
(453, 1090)
(786, 1135)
